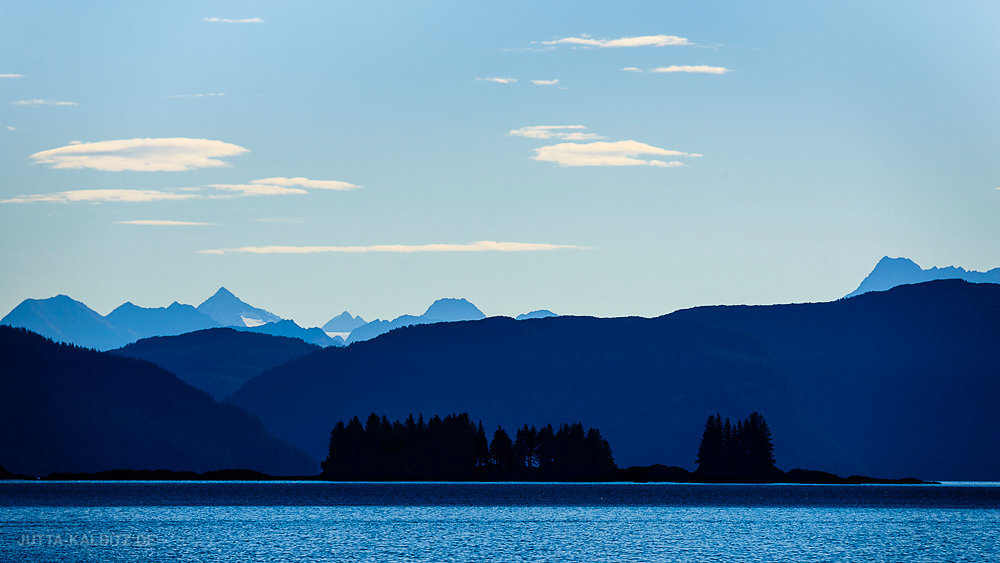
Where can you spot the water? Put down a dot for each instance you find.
(216, 521)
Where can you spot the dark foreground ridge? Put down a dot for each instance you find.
(65, 408)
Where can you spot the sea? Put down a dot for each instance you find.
(322, 521)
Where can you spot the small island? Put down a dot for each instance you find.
(456, 449)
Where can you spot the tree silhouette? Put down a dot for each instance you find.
(455, 448)
(502, 450)
(743, 451)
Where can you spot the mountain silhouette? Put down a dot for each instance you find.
(71, 409)
(442, 310)
(894, 383)
(343, 322)
(891, 272)
(140, 322)
(66, 320)
(539, 314)
(218, 360)
(647, 384)
(291, 330)
(450, 310)
(228, 310)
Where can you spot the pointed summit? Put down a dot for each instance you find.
(228, 310)
(223, 293)
(344, 322)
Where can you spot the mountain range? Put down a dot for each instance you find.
(892, 272)
(64, 319)
(442, 310)
(895, 383)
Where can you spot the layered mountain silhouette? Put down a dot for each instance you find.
(140, 322)
(539, 314)
(66, 320)
(893, 383)
(441, 311)
(343, 322)
(218, 360)
(291, 330)
(228, 310)
(72, 409)
(891, 272)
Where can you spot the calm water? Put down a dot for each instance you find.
(213, 521)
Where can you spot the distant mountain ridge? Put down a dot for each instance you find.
(892, 272)
(344, 322)
(228, 310)
(442, 310)
(64, 319)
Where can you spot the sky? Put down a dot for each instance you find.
(591, 158)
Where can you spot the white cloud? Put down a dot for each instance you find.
(695, 69)
(11, 76)
(205, 95)
(159, 223)
(98, 196)
(38, 102)
(611, 153)
(631, 69)
(145, 155)
(498, 80)
(481, 246)
(565, 132)
(638, 41)
(11, 128)
(552, 82)
(307, 183)
(231, 20)
(258, 189)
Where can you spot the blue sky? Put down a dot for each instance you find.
(353, 156)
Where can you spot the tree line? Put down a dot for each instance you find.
(740, 450)
(454, 448)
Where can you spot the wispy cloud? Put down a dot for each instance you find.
(481, 246)
(232, 20)
(205, 95)
(258, 189)
(690, 69)
(553, 82)
(100, 196)
(307, 183)
(144, 155)
(11, 75)
(693, 69)
(565, 132)
(611, 153)
(11, 128)
(637, 41)
(39, 102)
(164, 223)
(498, 80)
